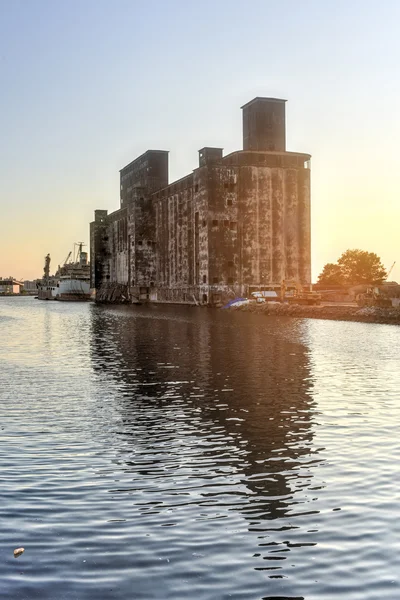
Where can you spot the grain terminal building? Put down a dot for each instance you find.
(236, 224)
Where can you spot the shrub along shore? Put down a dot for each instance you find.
(390, 316)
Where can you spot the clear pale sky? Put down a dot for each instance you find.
(88, 85)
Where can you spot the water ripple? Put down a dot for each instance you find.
(165, 452)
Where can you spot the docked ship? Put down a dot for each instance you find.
(71, 280)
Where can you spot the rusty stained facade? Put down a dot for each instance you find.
(237, 224)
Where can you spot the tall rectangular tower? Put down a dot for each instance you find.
(264, 126)
(148, 172)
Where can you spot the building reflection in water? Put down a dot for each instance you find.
(235, 388)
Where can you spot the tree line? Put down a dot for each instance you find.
(354, 267)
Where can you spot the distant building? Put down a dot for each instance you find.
(10, 286)
(30, 286)
(236, 224)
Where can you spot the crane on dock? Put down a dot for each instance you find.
(390, 270)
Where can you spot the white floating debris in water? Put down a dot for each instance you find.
(18, 552)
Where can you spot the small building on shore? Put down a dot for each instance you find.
(236, 224)
(10, 286)
(30, 287)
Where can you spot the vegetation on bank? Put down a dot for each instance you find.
(354, 267)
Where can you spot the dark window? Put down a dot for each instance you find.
(226, 185)
(196, 187)
(149, 243)
(230, 263)
(204, 279)
(230, 279)
(233, 225)
(204, 223)
(231, 187)
(204, 297)
(140, 242)
(229, 202)
(215, 223)
(141, 198)
(226, 224)
(151, 283)
(215, 279)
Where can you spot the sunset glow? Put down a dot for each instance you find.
(82, 96)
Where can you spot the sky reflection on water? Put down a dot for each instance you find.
(164, 451)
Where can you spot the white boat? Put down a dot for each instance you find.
(71, 281)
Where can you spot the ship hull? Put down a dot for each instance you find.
(73, 290)
(47, 290)
(44, 295)
(74, 297)
(66, 290)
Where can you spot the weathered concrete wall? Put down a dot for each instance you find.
(304, 225)
(145, 243)
(118, 247)
(182, 240)
(148, 172)
(98, 249)
(202, 228)
(236, 224)
(227, 229)
(223, 247)
(174, 235)
(274, 225)
(264, 125)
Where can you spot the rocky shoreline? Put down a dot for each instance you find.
(389, 316)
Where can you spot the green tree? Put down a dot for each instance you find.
(354, 267)
(360, 266)
(331, 275)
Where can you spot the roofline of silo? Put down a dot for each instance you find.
(264, 99)
(142, 155)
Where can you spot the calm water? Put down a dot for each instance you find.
(175, 453)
